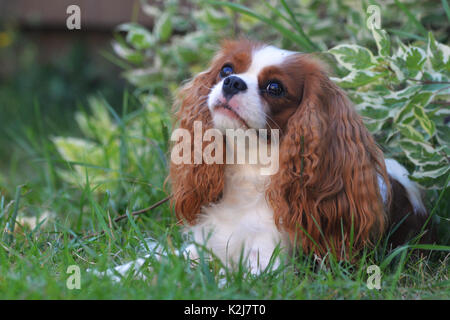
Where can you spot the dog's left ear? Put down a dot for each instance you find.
(194, 185)
(326, 192)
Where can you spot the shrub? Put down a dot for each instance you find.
(402, 93)
(402, 90)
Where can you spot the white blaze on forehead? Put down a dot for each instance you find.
(267, 56)
(248, 104)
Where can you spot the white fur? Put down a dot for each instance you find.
(248, 104)
(399, 173)
(243, 220)
(267, 56)
(383, 189)
(241, 223)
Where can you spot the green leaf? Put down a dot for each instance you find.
(374, 112)
(163, 27)
(358, 78)
(127, 53)
(414, 60)
(443, 137)
(373, 125)
(421, 153)
(401, 95)
(434, 178)
(438, 55)
(424, 121)
(422, 98)
(434, 174)
(409, 132)
(406, 112)
(382, 41)
(97, 126)
(353, 57)
(408, 62)
(216, 18)
(138, 36)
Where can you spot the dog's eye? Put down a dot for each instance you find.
(226, 71)
(274, 88)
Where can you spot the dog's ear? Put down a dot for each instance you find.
(326, 193)
(194, 185)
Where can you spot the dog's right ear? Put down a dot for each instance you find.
(194, 185)
(326, 193)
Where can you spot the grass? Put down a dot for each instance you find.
(80, 231)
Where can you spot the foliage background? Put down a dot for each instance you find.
(79, 170)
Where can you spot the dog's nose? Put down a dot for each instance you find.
(233, 85)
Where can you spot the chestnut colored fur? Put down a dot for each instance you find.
(195, 185)
(325, 194)
(327, 180)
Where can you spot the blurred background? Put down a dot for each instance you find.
(46, 70)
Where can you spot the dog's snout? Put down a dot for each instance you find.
(232, 85)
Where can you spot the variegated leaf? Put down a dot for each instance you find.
(409, 132)
(358, 78)
(382, 41)
(353, 57)
(424, 120)
(438, 55)
(421, 153)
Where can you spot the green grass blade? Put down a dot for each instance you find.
(411, 18)
(446, 9)
(298, 26)
(430, 247)
(2, 208)
(12, 219)
(284, 31)
(404, 34)
(277, 12)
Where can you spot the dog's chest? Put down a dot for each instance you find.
(242, 219)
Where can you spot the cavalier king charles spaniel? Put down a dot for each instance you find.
(333, 191)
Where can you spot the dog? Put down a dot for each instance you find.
(334, 192)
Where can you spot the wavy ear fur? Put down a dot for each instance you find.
(194, 185)
(326, 192)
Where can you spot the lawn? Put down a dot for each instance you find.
(76, 155)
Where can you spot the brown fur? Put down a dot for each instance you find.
(194, 185)
(326, 193)
(327, 182)
(404, 223)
